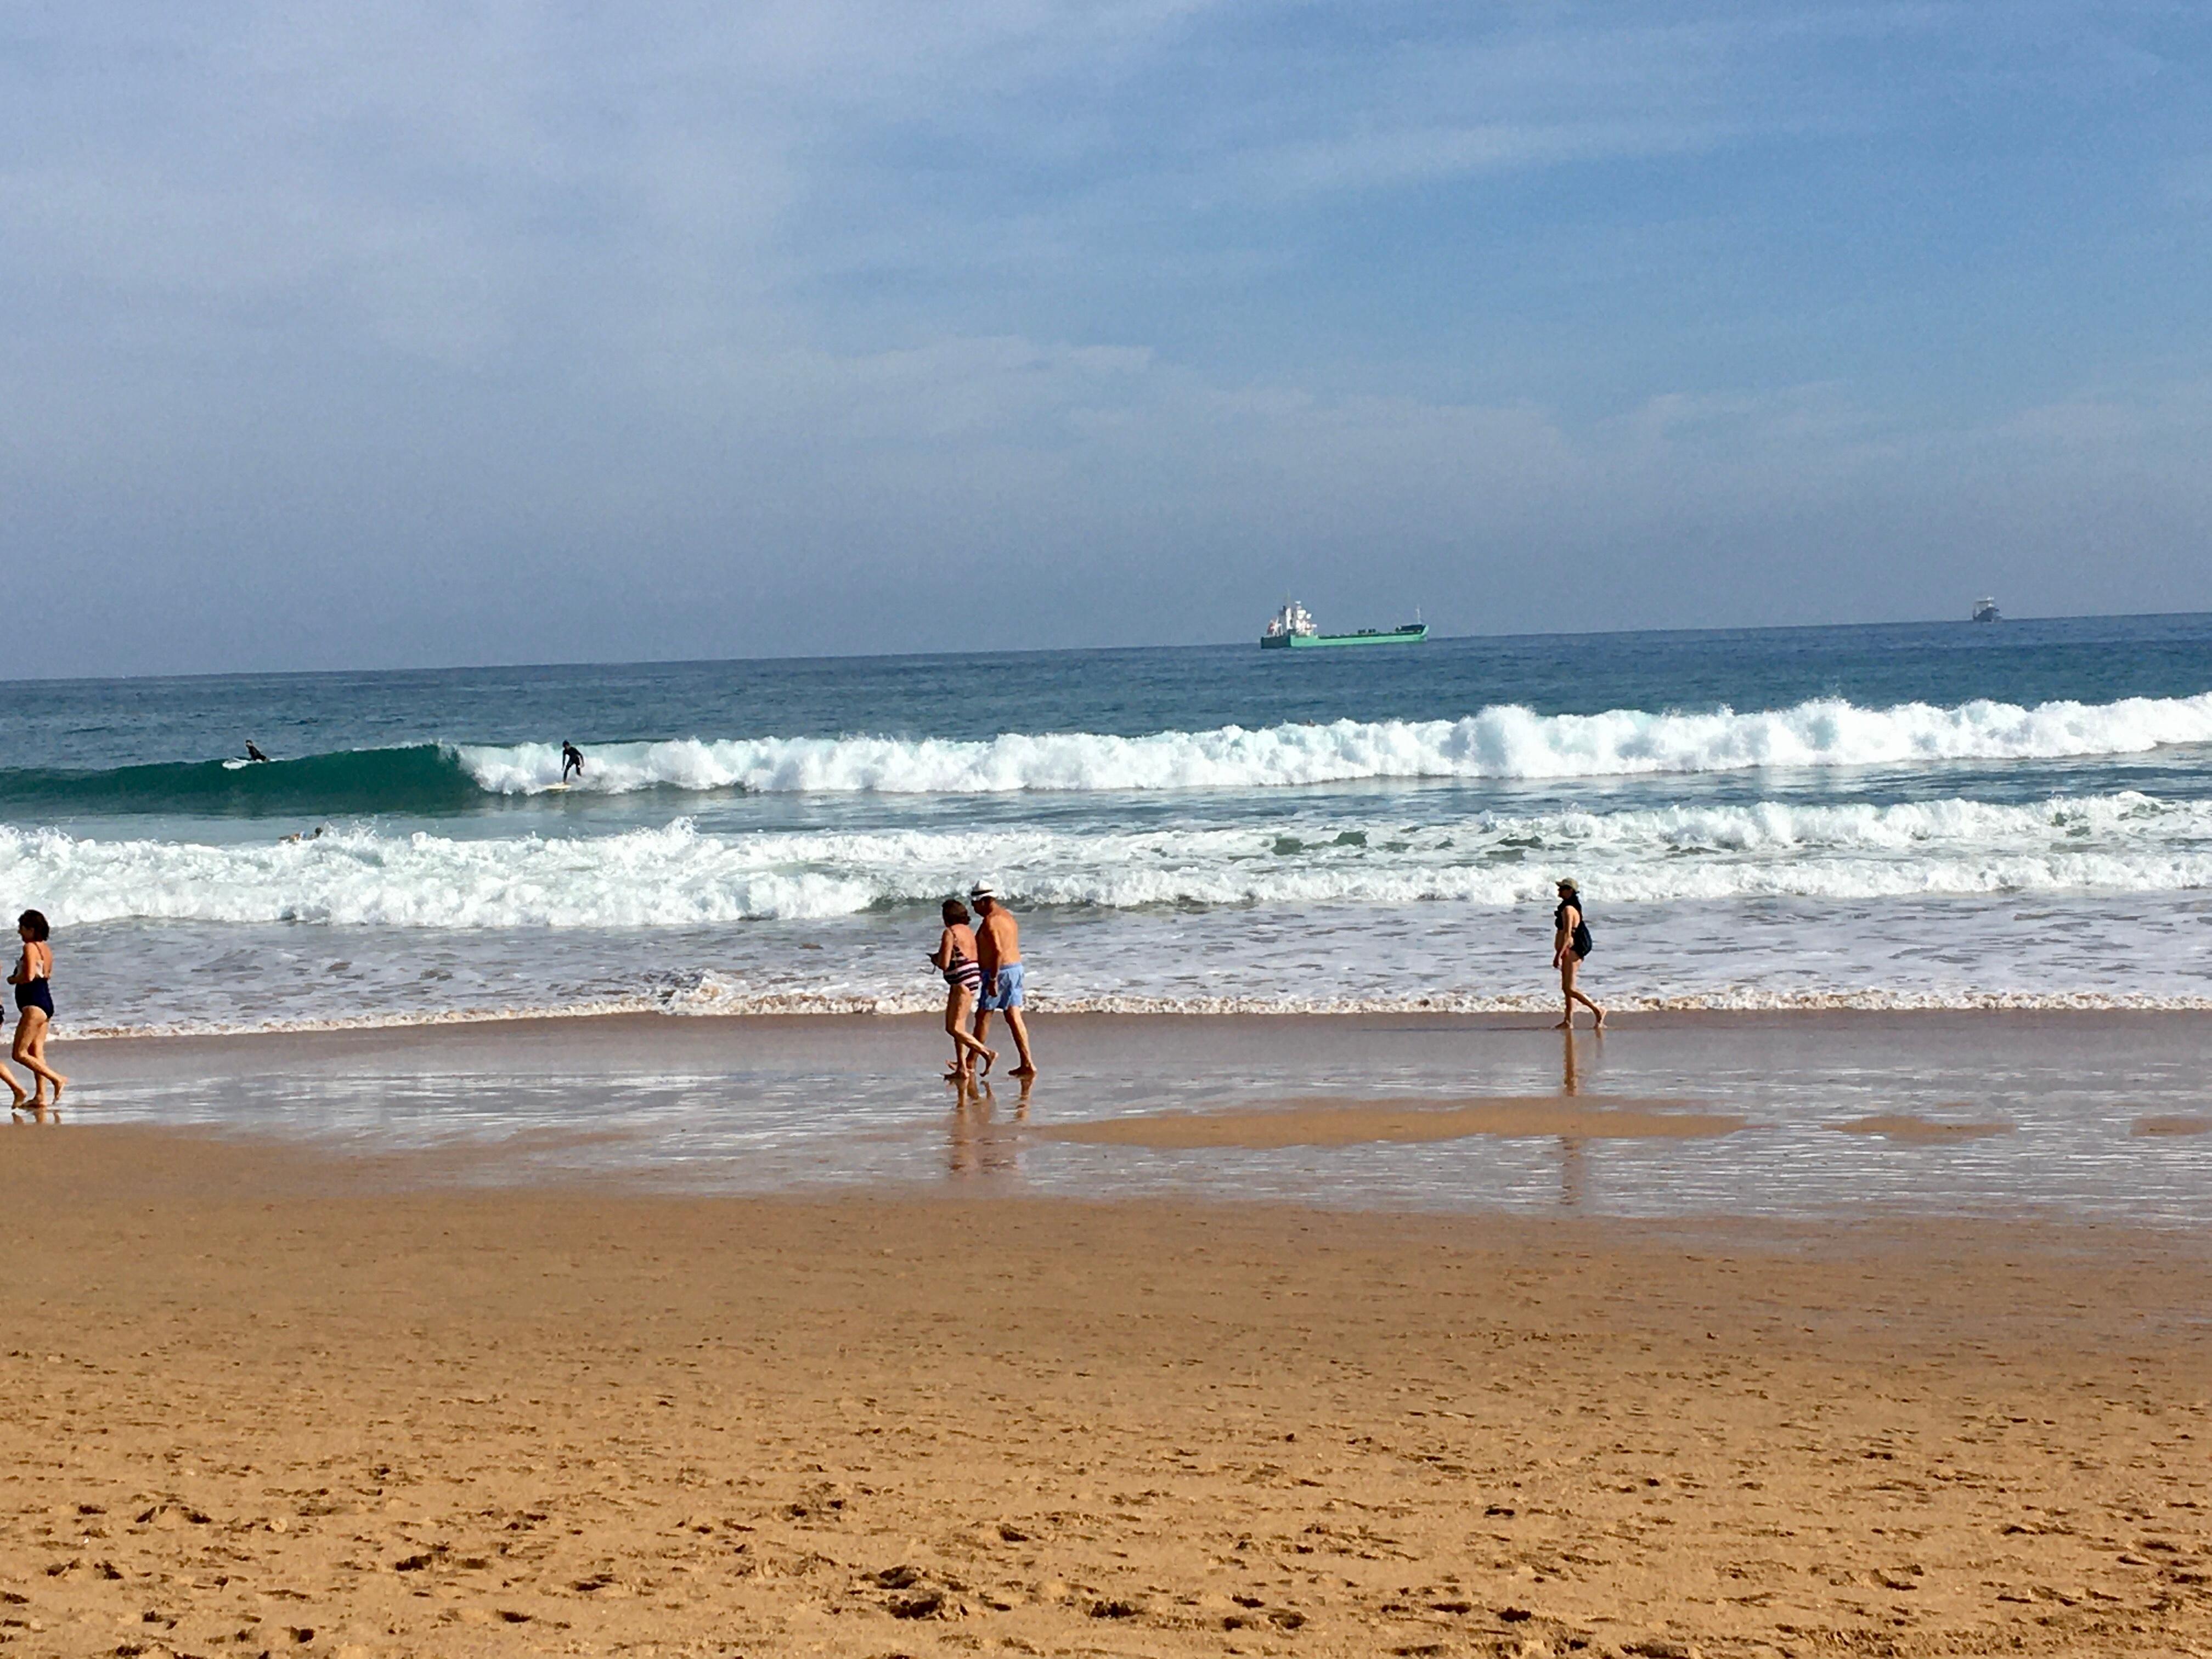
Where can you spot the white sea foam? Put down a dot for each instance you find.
(1498, 743)
(668, 877)
(678, 877)
(739, 1000)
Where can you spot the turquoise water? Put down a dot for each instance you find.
(1941, 814)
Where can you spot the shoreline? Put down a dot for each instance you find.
(2098, 1116)
(628, 1021)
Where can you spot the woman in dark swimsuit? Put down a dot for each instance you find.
(1568, 949)
(35, 998)
(957, 958)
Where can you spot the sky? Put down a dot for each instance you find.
(411, 334)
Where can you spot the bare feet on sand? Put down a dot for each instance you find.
(1023, 1071)
(990, 1058)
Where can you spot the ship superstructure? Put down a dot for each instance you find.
(1290, 625)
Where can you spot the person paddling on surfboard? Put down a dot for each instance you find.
(252, 753)
(571, 760)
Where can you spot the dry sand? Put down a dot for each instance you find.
(260, 1403)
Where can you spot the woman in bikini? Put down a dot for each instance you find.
(34, 997)
(957, 959)
(1570, 944)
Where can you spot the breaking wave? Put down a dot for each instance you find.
(676, 876)
(1502, 742)
(1498, 743)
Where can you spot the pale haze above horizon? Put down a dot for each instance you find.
(422, 335)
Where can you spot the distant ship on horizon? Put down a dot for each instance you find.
(1292, 628)
(1986, 611)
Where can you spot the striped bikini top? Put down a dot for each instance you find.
(963, 970)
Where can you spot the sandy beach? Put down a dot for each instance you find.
(802, 796)
(261, 1398)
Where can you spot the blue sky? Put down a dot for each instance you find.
(343, 336)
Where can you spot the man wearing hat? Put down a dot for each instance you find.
(999, 952)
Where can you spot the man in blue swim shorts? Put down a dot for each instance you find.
(999, 952)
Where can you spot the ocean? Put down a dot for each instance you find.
(1935, 814)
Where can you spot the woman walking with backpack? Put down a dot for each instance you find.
(1570, 943)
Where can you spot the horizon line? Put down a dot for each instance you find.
(1056, 651)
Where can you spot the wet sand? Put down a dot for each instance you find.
(1152, 1041)
(261, 1399)
(2078, 1115)
(1354, 1122)
(1897, 1126)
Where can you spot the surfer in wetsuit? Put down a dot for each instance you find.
(254, 754)
(571, 760)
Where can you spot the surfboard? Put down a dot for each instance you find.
(556, 788)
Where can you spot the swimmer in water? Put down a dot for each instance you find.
(254, 754)
(571, 760)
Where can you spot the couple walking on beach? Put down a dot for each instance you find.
(982, 969)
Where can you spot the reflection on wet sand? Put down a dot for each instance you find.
(1574, 1167)
(2109, 1117)
(980, 1143)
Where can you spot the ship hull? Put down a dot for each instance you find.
(1317, 641)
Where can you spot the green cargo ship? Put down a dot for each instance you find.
(1294, 629)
